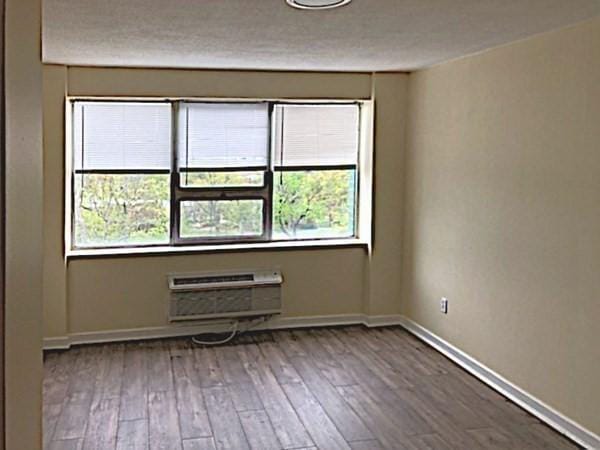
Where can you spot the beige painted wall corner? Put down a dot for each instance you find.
(24, 192)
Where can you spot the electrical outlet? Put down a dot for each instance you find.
(444, 305)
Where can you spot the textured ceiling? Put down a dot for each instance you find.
(367, 35)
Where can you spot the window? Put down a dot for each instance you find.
(184, 172)
(315, 168)
(121, 171)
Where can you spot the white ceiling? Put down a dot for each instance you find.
(367, 35)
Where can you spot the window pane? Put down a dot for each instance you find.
(121, 135)
(120, 210)
(221, 218)
(321, 135)
(222, 179)
(223, 135)
(314, 204)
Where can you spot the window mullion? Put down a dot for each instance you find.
(268, 204)
(221, 194)
(174, 210)
(317, 167)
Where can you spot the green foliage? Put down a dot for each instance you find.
(222, 179)
(221, 218)
(322, 201)
(134, 209)
(121, 209)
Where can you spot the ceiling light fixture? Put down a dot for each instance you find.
(317, 4)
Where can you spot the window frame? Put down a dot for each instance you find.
(179, 192)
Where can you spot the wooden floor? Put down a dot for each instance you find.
(341, 388)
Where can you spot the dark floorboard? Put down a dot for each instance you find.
(328, 389)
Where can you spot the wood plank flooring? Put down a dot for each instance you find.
(327, 388)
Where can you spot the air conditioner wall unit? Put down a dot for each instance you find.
(213, 295)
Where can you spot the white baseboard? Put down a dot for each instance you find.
(382, 321)
(279, 323)
(57, 343)
(175, 330)
(522, 398)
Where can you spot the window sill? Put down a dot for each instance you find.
(221, 248)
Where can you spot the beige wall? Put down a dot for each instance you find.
(382, 284)
(112, 294)
(55, 265)
(23, 289)
(503, 213)
(89, 295)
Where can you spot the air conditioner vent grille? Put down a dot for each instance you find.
(213, 279)
(212, 302)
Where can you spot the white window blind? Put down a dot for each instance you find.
(121, 136)
(318, 135)
(222, 135)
